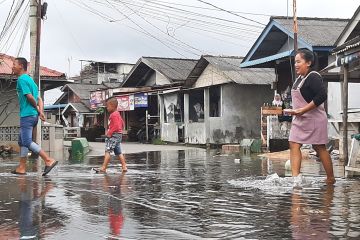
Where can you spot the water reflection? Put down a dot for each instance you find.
(25, 214)
(192, 194)
(309, 219)
(116, 186)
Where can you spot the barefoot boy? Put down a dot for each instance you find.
(113, 136)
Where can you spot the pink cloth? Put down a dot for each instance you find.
(311, 127)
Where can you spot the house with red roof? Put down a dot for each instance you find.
(9, 109)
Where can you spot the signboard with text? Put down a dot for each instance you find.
(126, 103)
(97, 99)
(141, 100)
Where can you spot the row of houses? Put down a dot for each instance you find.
(207, 101)
(217, 99)
(214, 99)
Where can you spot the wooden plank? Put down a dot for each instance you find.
(353, 153)
(272, 111)
(353, 169)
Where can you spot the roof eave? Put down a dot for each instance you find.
(201, 64)
(247, 62)
(357, 12)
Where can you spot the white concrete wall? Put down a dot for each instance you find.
(169, 132)
(151, 81)
(240, 113)
(334, 99)
(124, 68)
(240, 116)
(157, 79)
(161, 79)
(211, 76)
(195, 133)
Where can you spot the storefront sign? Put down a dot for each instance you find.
(97, 99)
(126, 103)
(141, 100)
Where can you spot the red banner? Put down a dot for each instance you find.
(126, 103)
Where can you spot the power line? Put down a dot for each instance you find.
(179, 10)
(212, 9)
(145, 30)
(205, 29)
(230, 12)
(69, 29)
(169, 10)
(6, 21)
(161, 30)
(23, 37)
(2, 1)
(204, 23)
(207, 26)
(9, 33)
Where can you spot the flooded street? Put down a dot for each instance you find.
(188, 194)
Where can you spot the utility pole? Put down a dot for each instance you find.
(35, 30)
(295, 27)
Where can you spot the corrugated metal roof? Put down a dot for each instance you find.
(230, 67)
(80, 107)
(355, 42)
(6, 63)
(56, 106)
(316, 31)
(175, 69)
(83, 90)
(347, 27)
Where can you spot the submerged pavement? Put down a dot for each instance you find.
(176, 194)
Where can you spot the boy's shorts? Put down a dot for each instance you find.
(113, 144)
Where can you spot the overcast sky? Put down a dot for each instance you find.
(71, 33)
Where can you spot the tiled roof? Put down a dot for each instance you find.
(6, 63)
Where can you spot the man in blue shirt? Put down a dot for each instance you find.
(31, 108)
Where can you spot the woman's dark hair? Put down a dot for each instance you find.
(309, 56)
(23, 62)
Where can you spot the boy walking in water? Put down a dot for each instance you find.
(113, 136)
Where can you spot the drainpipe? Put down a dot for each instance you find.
(207, 115)
(345, 113)
(186, 115)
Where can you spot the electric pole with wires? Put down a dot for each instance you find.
(295, 27)
(35, 32)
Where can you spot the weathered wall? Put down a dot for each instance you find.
(240, 113)
(105, 77)
(156, 78)
(9, 107)
(52, 137)
(124, 68)
(161, 79)
(211, 76)
(195, 133)
(169, 132)
(334, 99)
(151, 80)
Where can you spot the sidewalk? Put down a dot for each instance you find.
(97, 148)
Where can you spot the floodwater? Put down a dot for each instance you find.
(192, 194)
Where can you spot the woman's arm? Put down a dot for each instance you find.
(300, 111)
